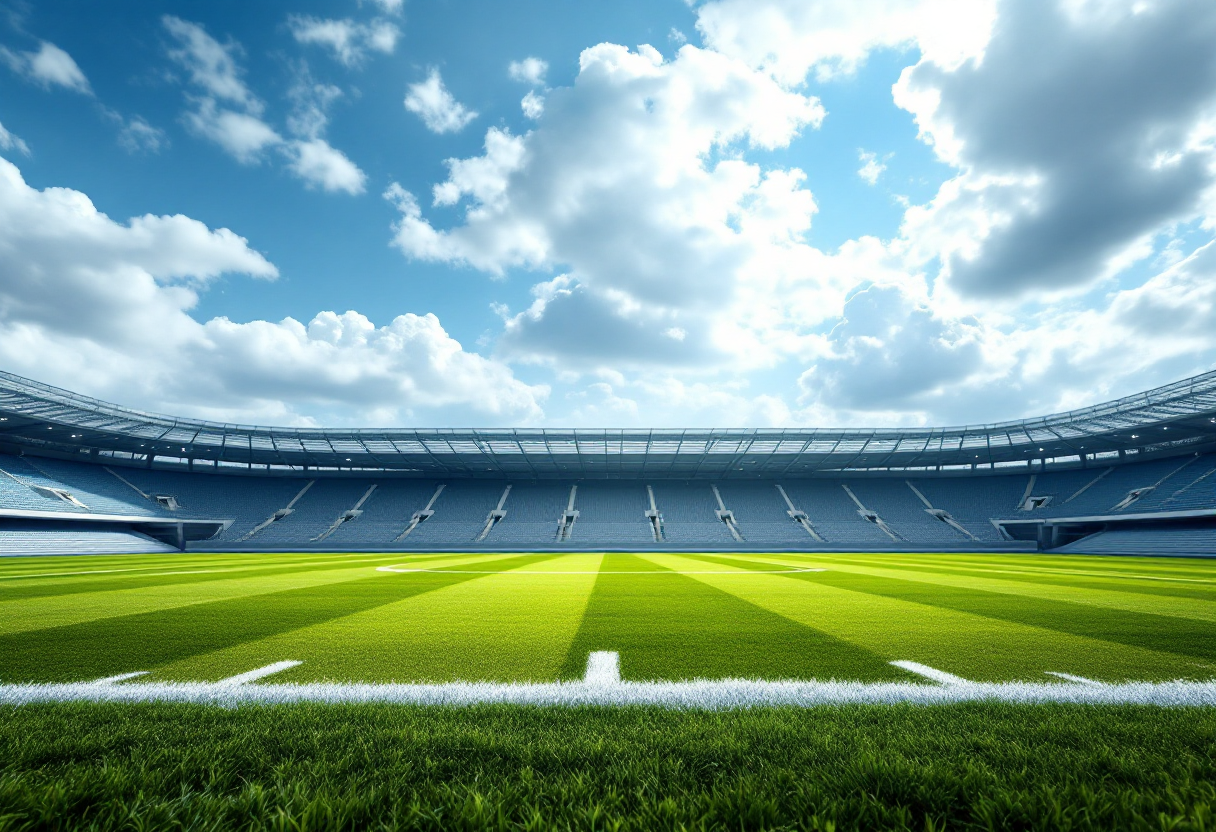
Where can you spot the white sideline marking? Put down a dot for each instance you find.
(939, 676)
(594, 571)
(254, 675)
(1068, 677)
(723, 694)
(603, 668)
(121, 677)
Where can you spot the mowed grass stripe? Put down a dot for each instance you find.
(12, 587)
(669, 626)
(1135, 585)
(1184, 636)
(23, 615)
(1127, 601)
(125, 643)
(1198, 572)
(45, 588)
(967, 644)
(505, 627)
(104, 571)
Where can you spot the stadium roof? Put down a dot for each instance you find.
(40, 419)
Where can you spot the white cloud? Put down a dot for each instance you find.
(211, 64)
(242, 135)
(891, 351)
(50, 66)
(138, 136)
(322, 166)
(871, 168)
(533, 105)
(632, 183)
(348, 40)
(790, 38)
(104, 308)
(528, 71)
(388, 6)
(10, 142)
(1066, 171)
(439, 111)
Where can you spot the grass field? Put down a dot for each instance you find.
(534, 620)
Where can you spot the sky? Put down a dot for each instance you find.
(581, 213)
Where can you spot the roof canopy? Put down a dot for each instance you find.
(37, 418)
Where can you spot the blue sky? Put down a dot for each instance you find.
(727, 213)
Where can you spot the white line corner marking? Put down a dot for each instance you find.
(939, 676)
(259, 673)
(1076, 680)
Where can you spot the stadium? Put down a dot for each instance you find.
(696, 415)
(1132, 476)
(450, 583)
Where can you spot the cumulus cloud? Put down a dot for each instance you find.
(242, 132)
(871, 166)
(348, 40)
(211, 65)
(530, 70)
(320, 165)
(790, 38)
(213, 68)
(242, 135)
(8, 141)
(631, 182)
(1066, 168)
(49, 67)
(438, 109)
(533, 105)
(892, 351)
(104, 307)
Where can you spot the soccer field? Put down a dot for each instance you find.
(537, 618)
(366, 632)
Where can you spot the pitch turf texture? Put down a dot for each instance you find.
(535, 619)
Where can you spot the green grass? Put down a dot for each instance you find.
(371, 767)
(536, 617)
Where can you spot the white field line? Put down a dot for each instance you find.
(121, 677)
(254, 675)
(603, 668)
(939, 676)
(698, 694)
(1076, 680)
(592, 571)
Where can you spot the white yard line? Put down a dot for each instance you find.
(711, 695)
(121, 677)
(603, 668)
(259, 673)
(1076, 680)
(939, 676)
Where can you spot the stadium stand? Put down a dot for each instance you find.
(106, 485)
(1146, 541)
(80, 541)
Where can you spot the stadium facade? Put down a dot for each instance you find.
(1136, 475)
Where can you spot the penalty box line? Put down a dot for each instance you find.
(602, 685)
